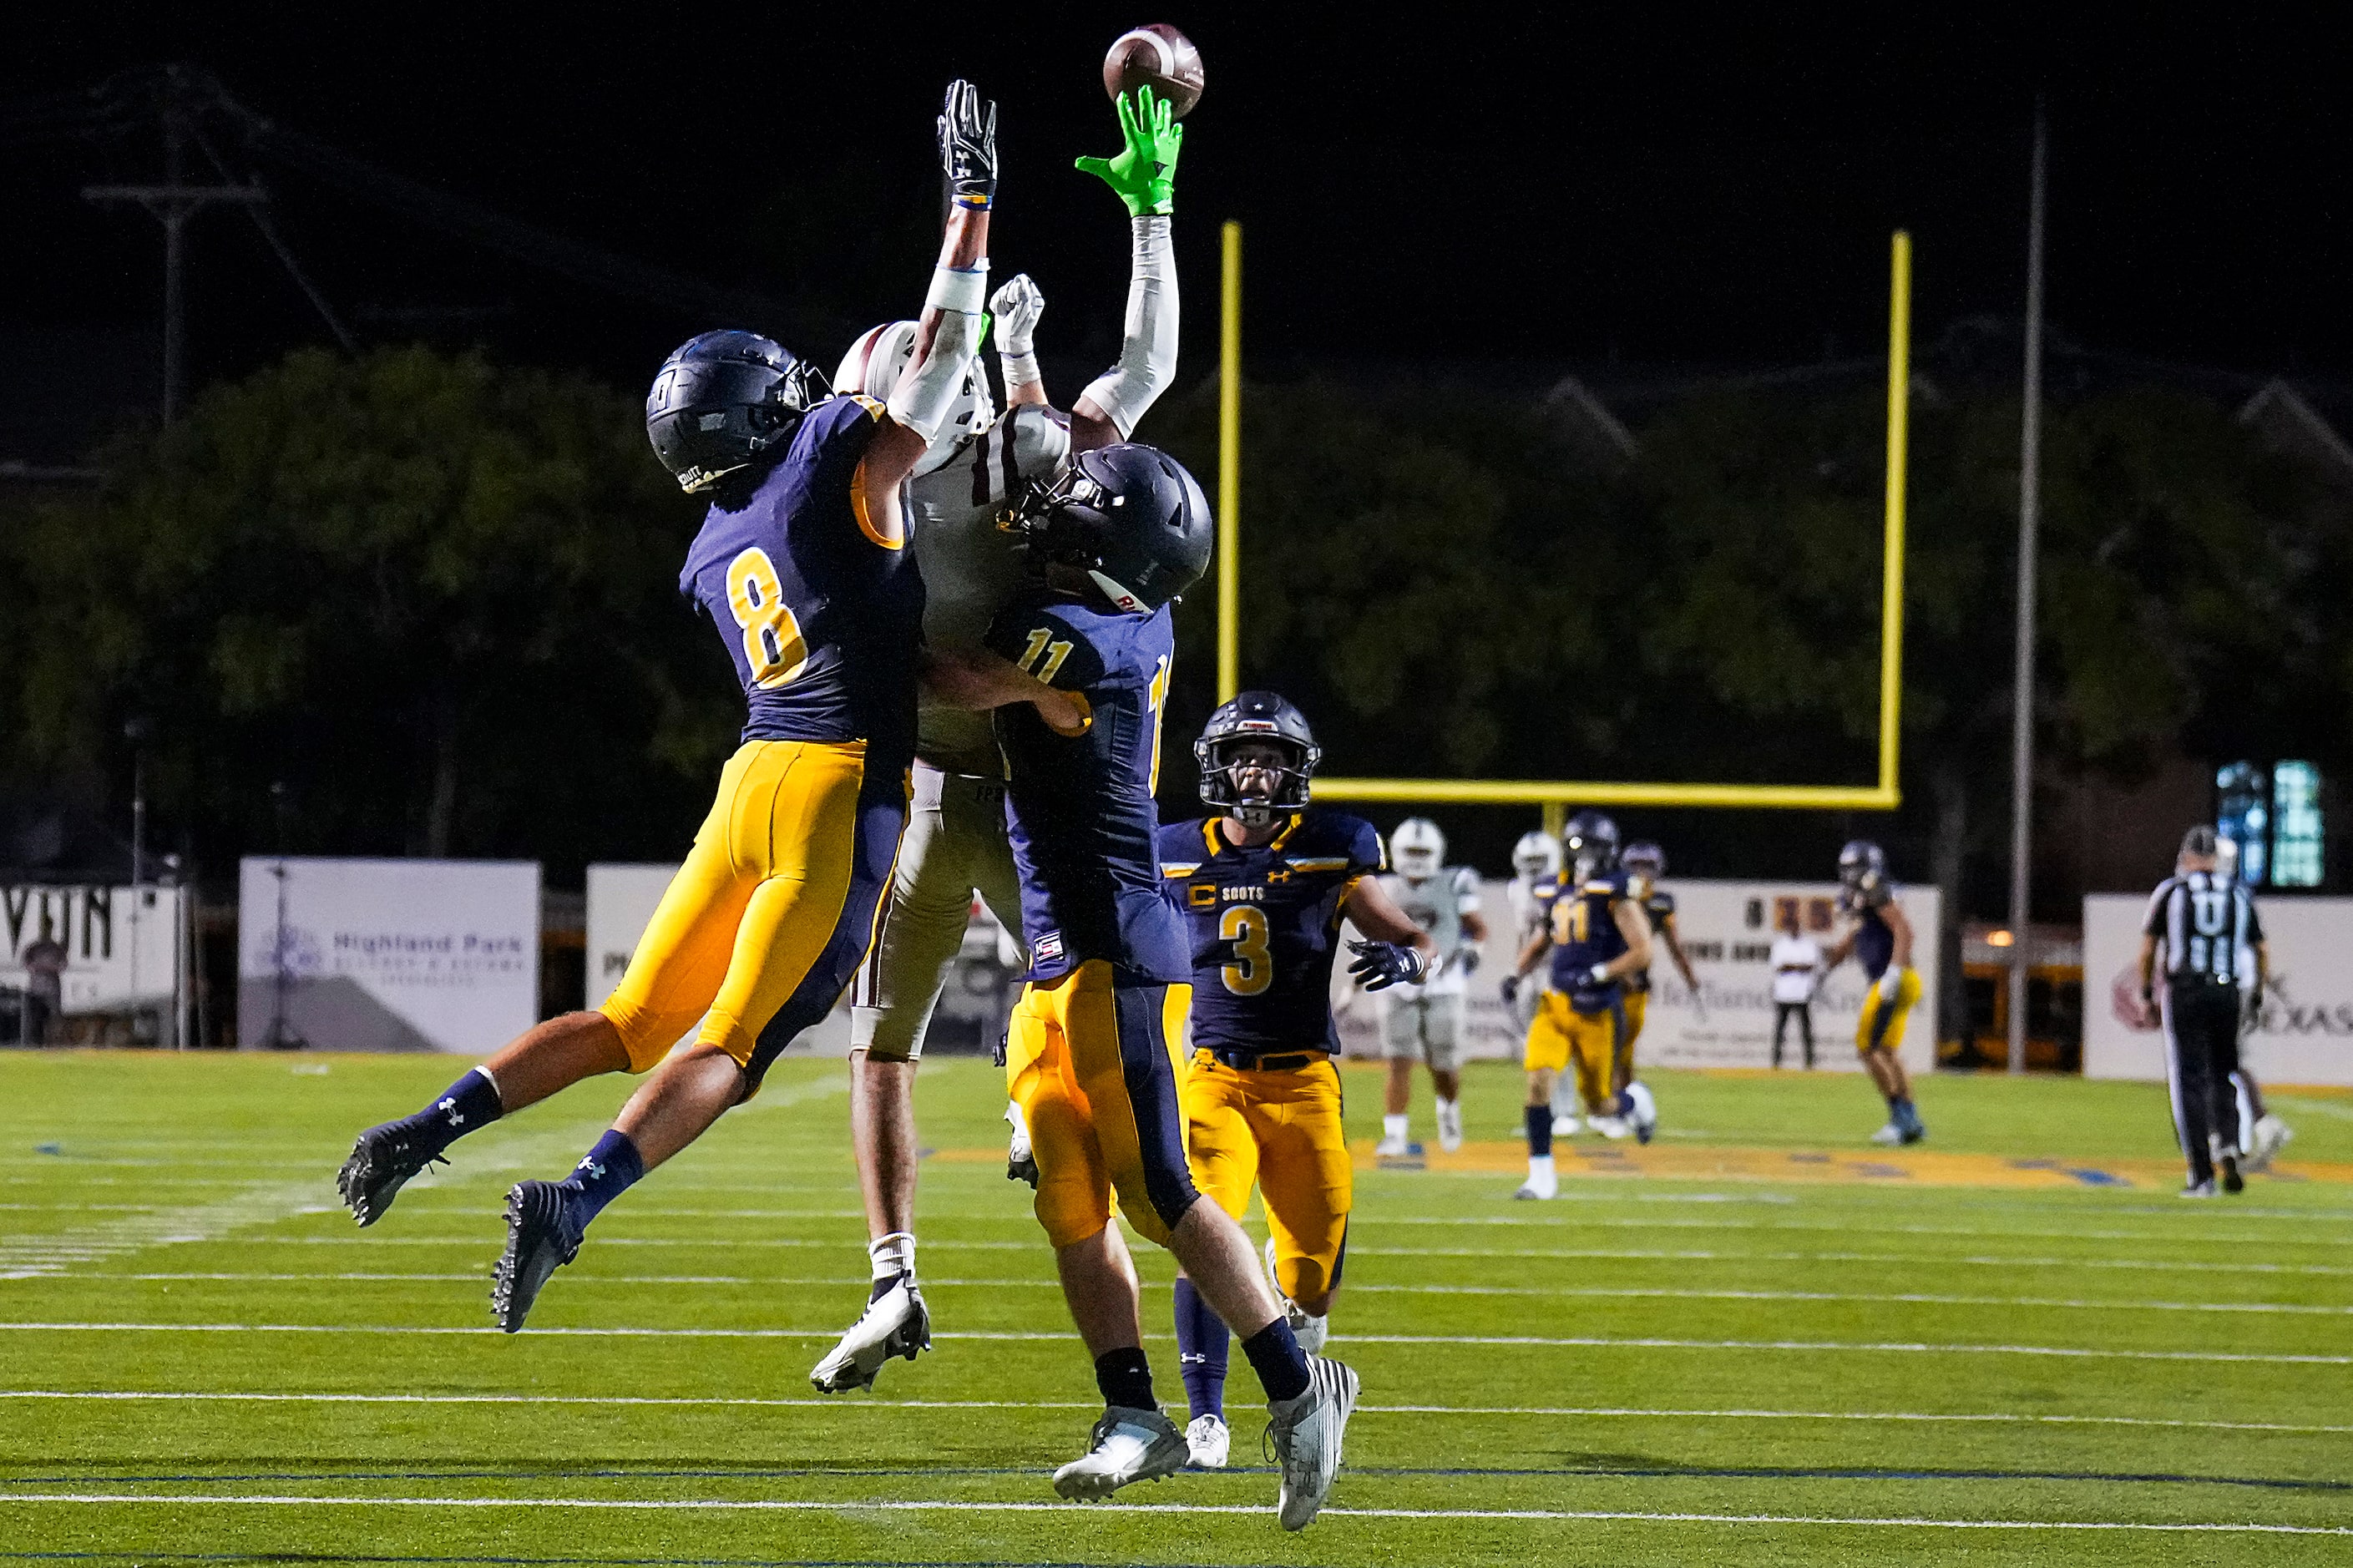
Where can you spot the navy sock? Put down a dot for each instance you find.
(1202, 1340)
(470, 1102)
(612, 1168)
(1126, 1379)
(1282, 1366)
(1540, 1130)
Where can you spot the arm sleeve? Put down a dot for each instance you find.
(923, 401)
(1466, 891)
(1147, 353)
(2154, 923)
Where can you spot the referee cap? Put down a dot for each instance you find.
(2198, 840)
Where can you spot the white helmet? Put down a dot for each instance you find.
(1417, 848)
(1536, 856)
(876, 359)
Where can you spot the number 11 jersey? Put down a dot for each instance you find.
(1263, 924)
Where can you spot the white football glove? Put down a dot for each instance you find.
(1891, 984)
(1016, 305)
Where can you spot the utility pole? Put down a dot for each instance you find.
(2030, 500)
(173, 204)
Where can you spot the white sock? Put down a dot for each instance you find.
(894, 1255)
(1539, 1165)
(1394, 1126)
(1447, 1106)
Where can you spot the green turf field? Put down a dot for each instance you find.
(204, 1360)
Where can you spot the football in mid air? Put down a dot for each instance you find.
(1160, 58)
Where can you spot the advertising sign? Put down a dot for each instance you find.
(122, 944)
(2302, 1032)
(386, 956)
(1727, 929)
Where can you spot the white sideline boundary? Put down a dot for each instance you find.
(1587, 1292)
(1013, 1336)
(796, 1505)
(1585, 1412)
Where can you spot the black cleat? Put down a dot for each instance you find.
(382, 1162)
(2232, 1181)
(540, 1240)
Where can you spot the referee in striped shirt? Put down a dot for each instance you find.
(2203, 927)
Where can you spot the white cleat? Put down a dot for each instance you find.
(895, 1323)
(1207, 1441)
(1450, 1126)
(1395, 1147)
(1891, 1134)
(1128, 1445)
(2271, 1135)
(1645, 1118)
(2198, 1190)
(1565, 1126)
(1610, 1127)
(1305, 1434)
(1543, 1185)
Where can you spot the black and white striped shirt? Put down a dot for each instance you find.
(2206, 928)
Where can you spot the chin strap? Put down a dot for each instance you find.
(1147, 355)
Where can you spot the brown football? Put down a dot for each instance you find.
(1157, 55)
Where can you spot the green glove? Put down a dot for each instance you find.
(1144, 172)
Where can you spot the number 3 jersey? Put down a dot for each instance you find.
(815, 594)
(1263, 924)
(1079, 808)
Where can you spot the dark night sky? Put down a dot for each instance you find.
(1524, 185)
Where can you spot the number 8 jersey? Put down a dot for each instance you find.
(1264, 925)
(815, 593)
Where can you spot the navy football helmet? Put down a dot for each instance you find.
(1590, 843)
(723, 399)
(1130, 517)
(1862, 865)
(1264, 718)
(1645, 859)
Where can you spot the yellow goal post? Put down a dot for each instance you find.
(1555, 794)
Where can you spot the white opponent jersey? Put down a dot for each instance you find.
(968, 561)
(1437, 904)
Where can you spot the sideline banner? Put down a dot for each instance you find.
(2303, 1032)
(122, 944)
(386, 956)
(1727, 929)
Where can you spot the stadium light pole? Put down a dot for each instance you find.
(2030, 500)
(1229, 467)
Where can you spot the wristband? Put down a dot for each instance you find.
(963, 291)
(1021, 369)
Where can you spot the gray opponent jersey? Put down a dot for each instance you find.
(1437, 906)
(968, 562)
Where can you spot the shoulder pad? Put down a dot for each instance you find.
(1039, 438)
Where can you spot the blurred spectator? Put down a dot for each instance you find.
(1797, 962)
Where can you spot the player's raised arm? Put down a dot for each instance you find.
(1016, 308)
(1142, 173)
(947, 334)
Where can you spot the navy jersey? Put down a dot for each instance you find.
(1583, 921)
(1079, 808)
(821, 612)
(1264, 925)
(1875, 939)
(1659, 909)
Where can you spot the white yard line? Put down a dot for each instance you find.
(1629, 1293)
(1019, 1336)
(1589, 1411)
(778, 1505)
